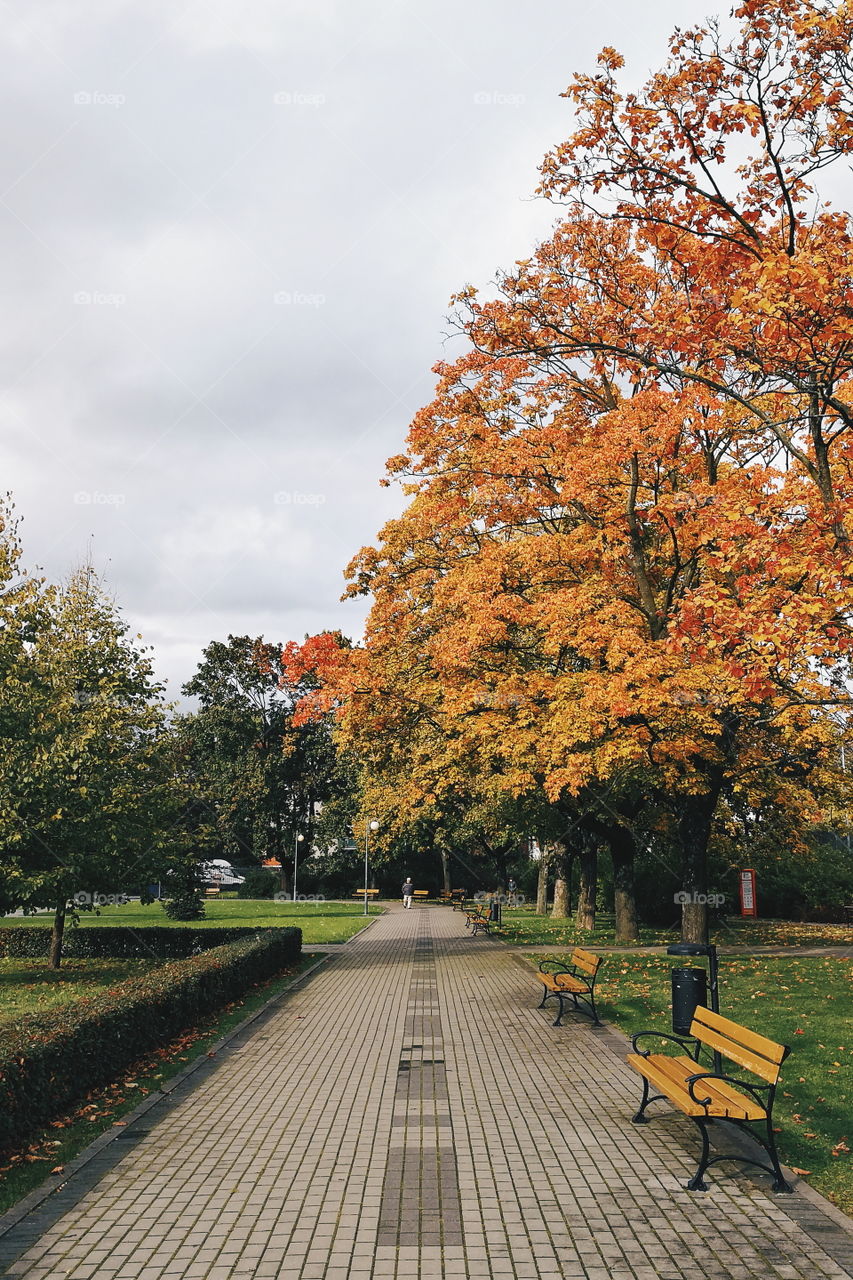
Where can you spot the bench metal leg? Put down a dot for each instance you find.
(590, 1011)
(544, 997)
(640, 1117)
(779, 1183)
(697, 1182)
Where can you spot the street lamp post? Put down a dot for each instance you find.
(299, 837)
(373, 825)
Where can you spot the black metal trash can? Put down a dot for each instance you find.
(495, 912)
(689, 988)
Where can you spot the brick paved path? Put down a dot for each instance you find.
(409, 1112)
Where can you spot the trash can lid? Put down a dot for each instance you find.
(691, 949)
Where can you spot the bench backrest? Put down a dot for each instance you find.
(585, 961)
(745, 1047)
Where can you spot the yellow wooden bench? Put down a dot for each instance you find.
(479, 919)
(359, 893)
(575, 981)
(420, 893)
(705, 1095)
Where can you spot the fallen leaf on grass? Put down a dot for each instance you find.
(803, 1173)
(60, 1168)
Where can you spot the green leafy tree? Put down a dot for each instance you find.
(262, 777)
(85, 793)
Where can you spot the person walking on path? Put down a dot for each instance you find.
(408, 890)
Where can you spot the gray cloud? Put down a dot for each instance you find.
(229, 236)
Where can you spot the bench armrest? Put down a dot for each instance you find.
(684, 1041)
(754, 1090)
(554, 966)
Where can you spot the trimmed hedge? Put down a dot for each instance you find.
(119, 942)
(53, 1059)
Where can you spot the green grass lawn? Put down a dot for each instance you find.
(69, 1134)
(319, 921)
(29, 986)
(803, 1002)
(522, 927)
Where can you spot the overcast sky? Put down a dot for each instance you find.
(230, 232)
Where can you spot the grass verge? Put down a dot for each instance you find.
(68, 1135)
(320, 922)
(29, 986)
(803, 1002)
(522, 927)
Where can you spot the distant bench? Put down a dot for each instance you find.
(359, 893)
(575, 981)
(479, 920)
(706, 1096)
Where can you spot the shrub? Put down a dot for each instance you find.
(119, 942)
(186, 893)
(55, 1058)
(258, 884)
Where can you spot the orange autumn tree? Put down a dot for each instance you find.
(693, 219)
(625, 570)
(543, 569)
(522, 604)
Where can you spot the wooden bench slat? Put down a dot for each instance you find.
(730, 1038)
(670, 1074)
(768, 1071)
(585, 960)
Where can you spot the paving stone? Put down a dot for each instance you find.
(406, 1113)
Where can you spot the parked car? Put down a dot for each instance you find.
(220, 873)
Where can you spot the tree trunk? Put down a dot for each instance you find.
(57, 935)
(623, 850)
(445, 869)
(588, 859)
(542, 883)
(560, 908)
(694, 830)
(562, 871)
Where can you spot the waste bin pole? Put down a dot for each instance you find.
(715, 997)
(712, 975)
